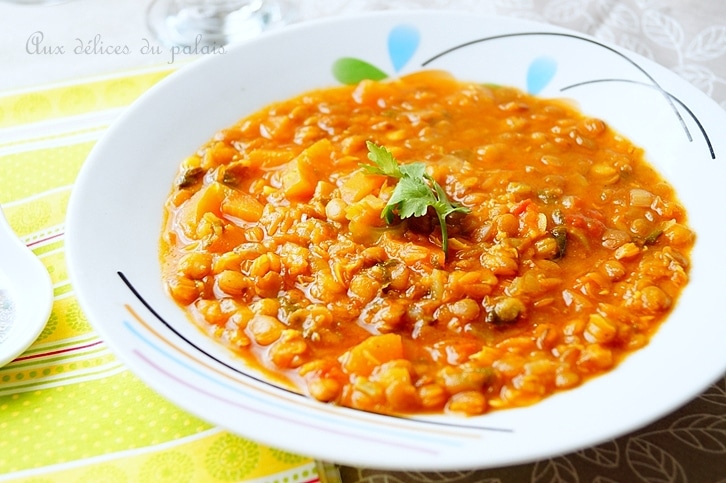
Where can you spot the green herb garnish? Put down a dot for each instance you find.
(415, 190)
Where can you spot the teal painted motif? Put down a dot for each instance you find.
(540, 73)
(402, 44)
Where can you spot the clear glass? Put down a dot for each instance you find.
(195, 23)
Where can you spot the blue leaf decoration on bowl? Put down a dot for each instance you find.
(540, 73)
(403, 41)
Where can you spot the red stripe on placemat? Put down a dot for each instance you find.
(43, 240)
(60, 351)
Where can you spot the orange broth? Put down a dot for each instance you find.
(573, 253)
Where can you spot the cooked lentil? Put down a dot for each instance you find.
(574, 251)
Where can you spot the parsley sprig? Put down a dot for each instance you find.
(415, 190)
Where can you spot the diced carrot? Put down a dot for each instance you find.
(316, 157)
(295, 185)
(371, 353)
(519, 208)
(217, 154)
(359, 185)
(268, 158)
(206, 200)
(366, 211)
(301, 177)
(434, 78)
(276, 127)
(367, 92)
(229, 237)
(210, 199)
(242, 205)
(365, 221)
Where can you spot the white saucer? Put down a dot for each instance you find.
(26, 295)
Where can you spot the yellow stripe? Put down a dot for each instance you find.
(26, 173)
(87, 419)
(56, 377)
(213, 456)
(55, 262)
(66, 320)
(41, 249)
(83, 98)
(62, 290)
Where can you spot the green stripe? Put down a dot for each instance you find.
(43, 249)
(28, 173)
(9, 388)
(62, 289)
(87, 419)
(69, 366)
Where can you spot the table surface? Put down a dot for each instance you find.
(83, 416)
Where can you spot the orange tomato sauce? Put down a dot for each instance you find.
(573, 253)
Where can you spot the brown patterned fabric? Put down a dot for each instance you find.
(686, 446)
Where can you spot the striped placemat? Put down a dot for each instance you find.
(69, 409)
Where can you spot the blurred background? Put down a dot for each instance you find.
(688, 36)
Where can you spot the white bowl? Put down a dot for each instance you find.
(115, 213)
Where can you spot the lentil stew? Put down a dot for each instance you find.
(570, 254)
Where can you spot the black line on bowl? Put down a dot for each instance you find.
(153, 311)
(657, 86)
(678, 101)
(148, 306)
